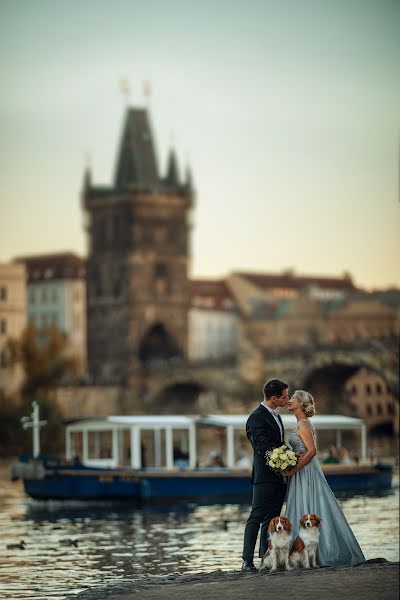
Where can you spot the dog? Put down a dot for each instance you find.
(280, 536)
(304, 550)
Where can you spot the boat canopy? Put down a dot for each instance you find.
(165, 425)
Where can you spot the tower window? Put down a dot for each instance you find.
(160, 279)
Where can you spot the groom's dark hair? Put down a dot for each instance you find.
(274, 387)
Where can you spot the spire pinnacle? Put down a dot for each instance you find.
(172, 177)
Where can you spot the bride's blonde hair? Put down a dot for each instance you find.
(306, 402)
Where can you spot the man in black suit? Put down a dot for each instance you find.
(264, 430)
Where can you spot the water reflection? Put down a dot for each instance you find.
(70, 548)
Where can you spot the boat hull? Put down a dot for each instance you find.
(58, 481)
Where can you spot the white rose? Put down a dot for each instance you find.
(290, 452)
(293, 462)
(274, 456)
(284, 456)
(279, 451)
(271, 463)
(284, 466)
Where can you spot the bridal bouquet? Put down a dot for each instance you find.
(280, 459)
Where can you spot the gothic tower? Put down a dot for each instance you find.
(138, 255)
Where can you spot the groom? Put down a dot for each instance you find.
(264, 430)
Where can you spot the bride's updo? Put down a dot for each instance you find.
(306, 402)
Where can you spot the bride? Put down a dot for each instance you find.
(309, 491)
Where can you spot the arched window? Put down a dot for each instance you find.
(368, 389)
(378, 388)
(353, 389)
(369, 410)
(379, 408)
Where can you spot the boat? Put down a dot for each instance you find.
(154, 459)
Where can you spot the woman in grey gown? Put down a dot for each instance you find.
(309, 492)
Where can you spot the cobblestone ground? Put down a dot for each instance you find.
(373, 580)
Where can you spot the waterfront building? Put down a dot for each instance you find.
(56, 296)
(373, 400)
(213, 320)
(12, 323)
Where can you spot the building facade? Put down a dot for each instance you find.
(138, 259)
(56, 296)
(213, 321)
(372, 400)
(12, 323)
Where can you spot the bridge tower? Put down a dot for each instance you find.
(138, 258)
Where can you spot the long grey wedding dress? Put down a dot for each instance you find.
(309, 492)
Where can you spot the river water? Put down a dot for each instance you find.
(73, 547)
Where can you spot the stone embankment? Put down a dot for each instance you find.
(372, 580)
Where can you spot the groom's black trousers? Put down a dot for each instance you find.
(267, 503)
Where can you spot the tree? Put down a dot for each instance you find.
(46, 361)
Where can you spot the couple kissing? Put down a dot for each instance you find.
(304, 485)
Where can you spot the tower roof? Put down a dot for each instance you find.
(136, 163)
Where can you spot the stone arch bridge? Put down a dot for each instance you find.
(222, 385)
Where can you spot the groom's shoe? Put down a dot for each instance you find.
(248, 566)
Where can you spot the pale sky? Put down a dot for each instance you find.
(288, 112)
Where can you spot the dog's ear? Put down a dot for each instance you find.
(302, 521)
(271, 525)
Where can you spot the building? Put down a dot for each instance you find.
(138, 259)
(287, 310)
(372, 400)
(213, 320)
(12, 323)
(56, 296)
(256, 291)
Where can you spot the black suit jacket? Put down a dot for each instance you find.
(263, 434)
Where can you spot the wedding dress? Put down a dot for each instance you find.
(309, 492)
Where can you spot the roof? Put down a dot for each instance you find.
(136, 164)
(289, 421)
(179, 421)
(143, 421)
(211, 294)
(62, 265)
(296, 282)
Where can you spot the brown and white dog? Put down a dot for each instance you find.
(280, 536)
(304, 550)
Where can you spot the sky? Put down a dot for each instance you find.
(288, 113)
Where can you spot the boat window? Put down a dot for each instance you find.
(181, 447)
(99, 444)
(124, 447)
(76, 445)
(153, 448)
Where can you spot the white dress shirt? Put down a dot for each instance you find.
(275, 415)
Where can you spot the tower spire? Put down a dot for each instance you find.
(172, 177)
